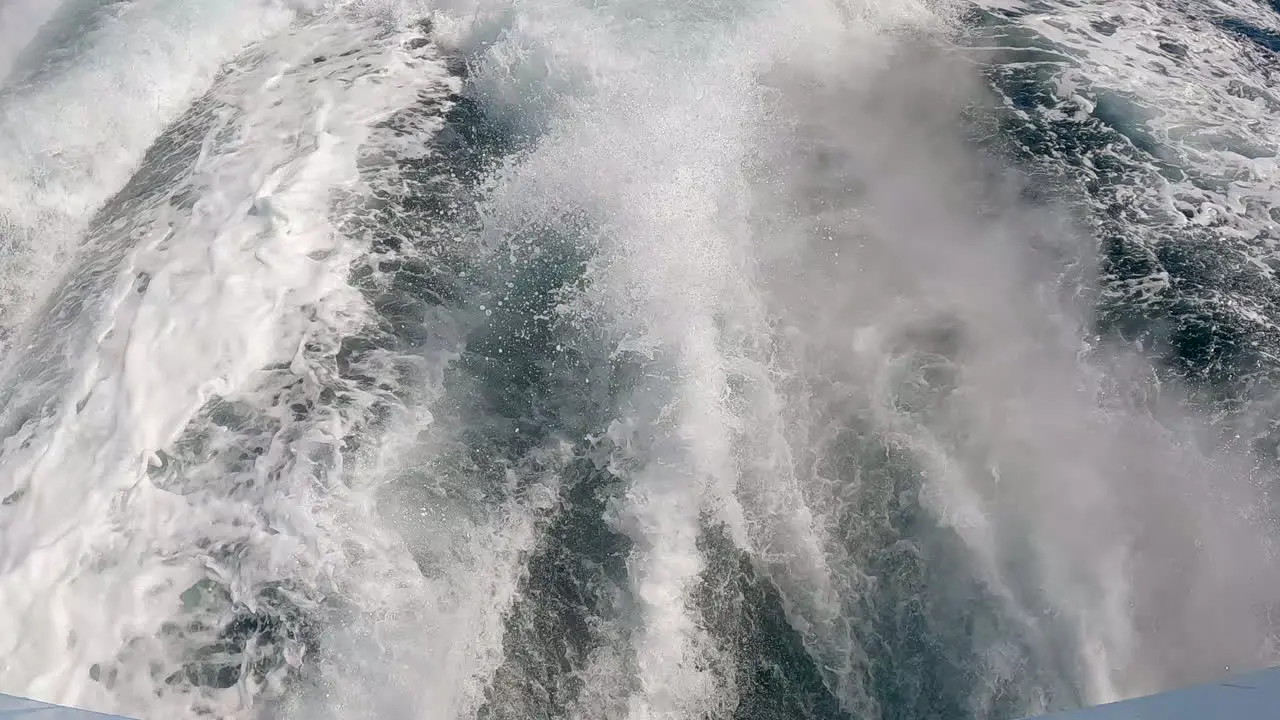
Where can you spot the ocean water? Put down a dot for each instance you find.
(635, 359)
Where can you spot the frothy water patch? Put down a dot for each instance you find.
(637, 361)
(88, 104)
(1155, 117)
(221, 302)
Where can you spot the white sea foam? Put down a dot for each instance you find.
(74, 132)
(659, 117)
(244, 273)
(1192, 91)
(789, 244)
(1025, 448)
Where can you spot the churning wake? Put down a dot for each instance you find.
(635, 359)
